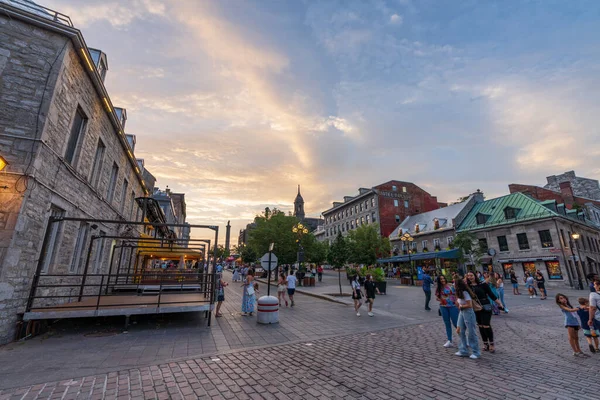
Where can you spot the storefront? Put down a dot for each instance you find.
(412, 266)
(550, 267)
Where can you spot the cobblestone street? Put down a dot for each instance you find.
(319, 350)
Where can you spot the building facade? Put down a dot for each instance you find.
(525, 235)
(387, 205)
(174, 208)
(582, 187)
(67, 152)
(311, 223)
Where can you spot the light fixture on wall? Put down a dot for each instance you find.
(3, 164)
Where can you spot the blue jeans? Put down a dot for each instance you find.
(450, 316)
(501, 296)
(468, 332)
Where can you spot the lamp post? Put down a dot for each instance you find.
(576, 237)
(300, 230)
(407, 240)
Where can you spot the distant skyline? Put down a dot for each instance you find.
(235, 102)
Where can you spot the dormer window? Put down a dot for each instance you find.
(510, 213)
(102, 69)
(436, 224)
(482, 218)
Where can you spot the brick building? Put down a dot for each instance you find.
(386, 204)
(67, 151)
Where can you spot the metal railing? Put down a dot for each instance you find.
(40, 11)
(68, 292)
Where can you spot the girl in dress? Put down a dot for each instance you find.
(248, 296)
(281, 289)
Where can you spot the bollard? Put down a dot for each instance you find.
(267, 310)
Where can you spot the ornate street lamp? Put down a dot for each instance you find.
(576, 237)
(300, 230)
(407, 240)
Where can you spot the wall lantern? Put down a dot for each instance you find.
(3, 163)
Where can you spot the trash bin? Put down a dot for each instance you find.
(267, 310)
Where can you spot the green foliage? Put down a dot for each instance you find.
(222, 253)
(338, 252)
(366, 245)
(378, 274)
(363, 271)
(247, 254)
(469, 248)
(274, 227)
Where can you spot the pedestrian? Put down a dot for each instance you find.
(590, 332)
(480, 277)
(515, 282)
(445, 293)
(356, 294)
(427, 282)
(291, 286)
(281, 288)
(571, 323)
(595, 305)
(248, 297)
(467, 322)
(484, 316)
(320, 273)
(541, 284)
(591, 277)
(370, 289)
(500, 290)
(221, 284)
(490, 279)
(528, 279)
(236, 274)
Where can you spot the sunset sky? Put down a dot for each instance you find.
(235, 103)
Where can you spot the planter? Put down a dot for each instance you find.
(405, 281)
(418, 283)
(312, 281)
(306, 281)
(382, 286)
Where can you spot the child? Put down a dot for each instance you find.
(571, 323)
(221, 284)
(590, 332)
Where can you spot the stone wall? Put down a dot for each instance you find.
(26, 54)
(582, 187)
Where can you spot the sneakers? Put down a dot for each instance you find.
(534, 296)
(286, 303)
(448, 344)
(580, 354)
(358, 314)
(459, 354)
(592, 349)
(371, 314)
(531, 297)
(473, 357)
(292, 304)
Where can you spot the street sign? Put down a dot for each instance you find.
(264, 262)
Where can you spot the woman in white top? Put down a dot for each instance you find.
(467, 322)
(356, 294)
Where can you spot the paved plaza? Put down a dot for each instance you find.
(320, 349)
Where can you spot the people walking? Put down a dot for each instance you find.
(541, 284)
(320, 273)
(281, 289)
(591, 277)
(528, 279)
(515, 282)
(248, 297)
(571, 323)
(467, 322)
(221, 284)
(590, 332)
(594, 308)
(500, 290)
(291, 286)
(427, 282)
(484, 316)
(356, 294)
(236, 274)
(370, 289)
(445, 293)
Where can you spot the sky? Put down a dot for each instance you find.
(237, 102)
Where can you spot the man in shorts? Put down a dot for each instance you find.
(370, 289)
(291, 286)
(594, 300)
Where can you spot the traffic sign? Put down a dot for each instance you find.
(264, 262)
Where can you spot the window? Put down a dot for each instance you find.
(50, 251)
(403, 189)
(366, 204)
(394, 188)
(582, 239)
(77, 129)
(405, 203)
(562, 238)
(373, 202)
(343, 228)
(347, 226)
(356, 209)
(367, 219)
(124, 190)
(507, 267)
(546, 239)
(510, 213)
(113, 182)
(351, 224)
(424, 245)
(529, 267)
(361, 206)
(362, 220)
(351, 209)
(449, 239)
(436, 244)
(483, 245)
(79, 253)
(554, 271)
(414, 246)
(395, 203)
(97, 165)
(373, 217)
(102, 69)
(357, 222)
(346, 212)
(481, 218)
(99, 253)
(523, 242)
(397, 219)
(132, 204)
(502, 243)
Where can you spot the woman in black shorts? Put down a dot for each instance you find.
(484, 317)
(541, 284)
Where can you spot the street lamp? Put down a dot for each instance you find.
(407, 240)
(300, 230)
(576, 237)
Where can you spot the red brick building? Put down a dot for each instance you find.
(387, 204)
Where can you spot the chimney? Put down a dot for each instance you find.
(567, 193)
(478, 196)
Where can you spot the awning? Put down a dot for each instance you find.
(529, 259)
(446, 254)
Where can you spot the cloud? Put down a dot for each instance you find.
(118, 14)
(396, 19)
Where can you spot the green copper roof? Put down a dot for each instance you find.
(492, 211)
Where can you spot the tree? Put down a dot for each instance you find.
(338, 255)
(247, 254)
(365, 245)
(274, 227)
(315, 251)
(221, 252)
(468, 247)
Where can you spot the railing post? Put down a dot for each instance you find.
(99, 292)
(41, 259)
(87, 264)
(160, 291)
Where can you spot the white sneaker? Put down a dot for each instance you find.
(358, 314)
(473, 357)
(534, 296)
(448, 344)
(531, 297)
(371, 314)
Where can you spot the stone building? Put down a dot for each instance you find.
(528, 235)
(582, 187)
(174, 208)
(387, 205)
(67, 152)
(311, 223)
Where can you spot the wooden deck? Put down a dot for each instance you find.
(123, 304)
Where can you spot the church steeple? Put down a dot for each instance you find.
(299, 206)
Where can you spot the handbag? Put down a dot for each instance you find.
(476, 304)
(250, 290)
